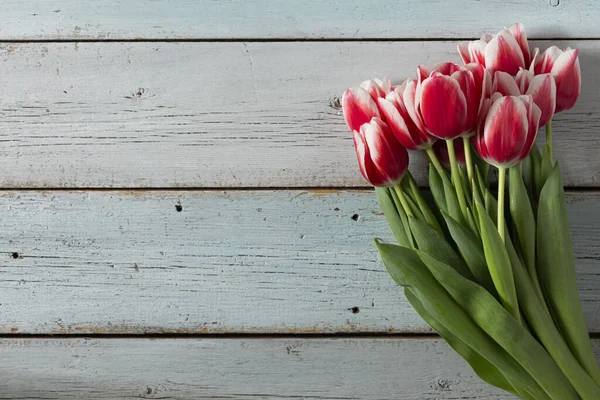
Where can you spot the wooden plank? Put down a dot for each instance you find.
(217, 114)
(358, 368)
(205, 19)
(245, 261)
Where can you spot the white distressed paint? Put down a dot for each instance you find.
(292, 19)
(217, 114)
(360, 368)
(238, 261)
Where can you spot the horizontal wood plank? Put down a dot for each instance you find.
(239, 261)
(362, 368)
(119, 115)
(291, 19)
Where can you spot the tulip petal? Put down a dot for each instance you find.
(505, 131)
(368, 170)
(505, 84)
(477, 50)
(567, 73)
(546, 60)
(533, 117)
(542, 89)
(463, 50)
(443, 106)
(523, 79)
(535, 55)
(409, 100)
(373, 88)
(518, 32)
(503, 53)
(358, 107)
(467, 84)
(390, 159)
(394, 119)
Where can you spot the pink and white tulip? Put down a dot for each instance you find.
(564, 67)
(449, 98)
(398, 110)
(507, 51)
(541, 88)
(381, 158)
(507, 132)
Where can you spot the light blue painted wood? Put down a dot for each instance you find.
(237, 261)
(292, 19)
(246, 369)
(219, 114)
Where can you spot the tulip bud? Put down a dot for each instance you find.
(358, 107)
(449, 98)
(564, 67)
(381, 158)
(508, 130)
(441, 151)
(398, 110)
(507, 51)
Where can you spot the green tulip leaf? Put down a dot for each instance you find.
(482, 367)
(556, 271)
(407, 269)
(501, 326)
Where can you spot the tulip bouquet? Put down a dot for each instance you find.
(494, 275)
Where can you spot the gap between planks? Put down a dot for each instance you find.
(273, 40)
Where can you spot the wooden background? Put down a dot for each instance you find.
(182, 215)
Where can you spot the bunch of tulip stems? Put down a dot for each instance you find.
(495, 278)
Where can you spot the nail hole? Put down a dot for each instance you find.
(355, 310)
(336, 209)
(355, 217)
(178, 207)
(554, 3)
(15, 255)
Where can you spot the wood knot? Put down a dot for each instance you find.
(140, 94)
(335, 103)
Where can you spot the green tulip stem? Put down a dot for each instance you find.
(468, 158)
(403, 201)
(434, 160)
(456, 179)
(549, 138)
(501, 184)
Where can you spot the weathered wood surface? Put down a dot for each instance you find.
(363, 368)
(239, 261)
(217, 114)
(295, 19)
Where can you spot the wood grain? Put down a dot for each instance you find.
(363, 368)
(239, 261)
(295, 19)
(218, 114)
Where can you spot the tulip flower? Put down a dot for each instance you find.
(542, 89)
(564, 67)
(508, 130)
(381, 158)
(446, 99)
(507, 51)
(358, 107)
(398, 110)
(449, 100)
(505, 137)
